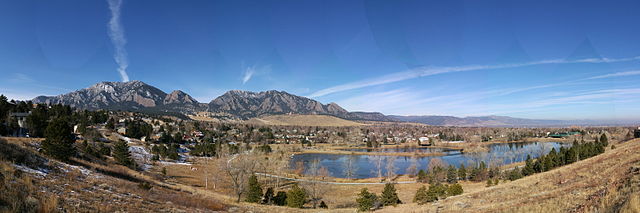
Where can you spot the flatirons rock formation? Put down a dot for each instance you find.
(245, 105)
(235, 104)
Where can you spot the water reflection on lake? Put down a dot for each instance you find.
(504, 153)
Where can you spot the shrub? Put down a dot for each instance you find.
(296, 197)
(145, 185)
(454, 189)
(366, 200)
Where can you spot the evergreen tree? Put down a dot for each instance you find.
(515, 174)
(59, 140)
(37, 121)
(452, 174)
(422, 176)
(604, 140)
(323, 205)
(537, 166)
(121, 154)
(296, 197)
(366, 200)
(389, 196)
(454, 189)
(436, 192)
(462, 172)
(528, 167)
(421, 196)
(280, 199)
(268, 197)
(254, 190)
(111, 124)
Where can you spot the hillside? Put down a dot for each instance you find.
(302, 120)
(607, 181)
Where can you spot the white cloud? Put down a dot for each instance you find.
(248, 73)
(21, 78)
(428, 71)
(251, 71)
(116, 33)
(618, 74)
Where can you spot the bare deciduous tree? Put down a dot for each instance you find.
(391, 167)
(314, 188)
(377, 160)
(350, 166)
(239, 168)
(412, 170)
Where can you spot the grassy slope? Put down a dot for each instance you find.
(579, 187)
(302, 120)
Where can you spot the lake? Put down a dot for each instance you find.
(498, 154)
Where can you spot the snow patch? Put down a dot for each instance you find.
(40, 172)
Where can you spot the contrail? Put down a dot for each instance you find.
(116, 33)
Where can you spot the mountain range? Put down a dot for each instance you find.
(244, 105)
(234, 104)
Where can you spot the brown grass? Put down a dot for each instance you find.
(302, 120)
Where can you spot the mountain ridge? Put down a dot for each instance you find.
(234, 104)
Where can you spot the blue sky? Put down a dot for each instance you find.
(530, 59)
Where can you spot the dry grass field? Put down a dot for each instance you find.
(609, 182)
(302, 120)
(604, 183)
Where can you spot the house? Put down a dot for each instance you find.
(424, 141)
(636, 133)
(21, 117)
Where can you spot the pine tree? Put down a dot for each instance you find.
(254, 190)
(268, 197)
(389, 195)
(604, 140)
(462, 172)
(280, 199)
(422, 176)
(59, 140)
(452, 174)
(121, 154)
(421, 196)
(515, 174)
(296, 197)
(366, 200)
(323, 205)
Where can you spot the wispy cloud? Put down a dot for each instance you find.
(251, 71)
(21, 78)
(116, 33)
(248, 73)
(428, 71)
(617, 74)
